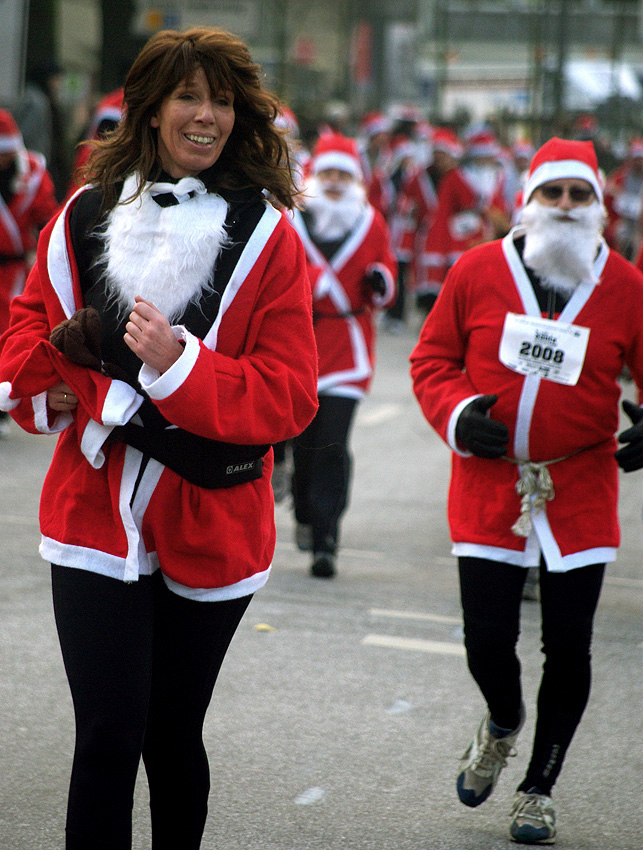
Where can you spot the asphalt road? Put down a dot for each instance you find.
(343, 705)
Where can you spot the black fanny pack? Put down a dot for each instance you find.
(203, 462)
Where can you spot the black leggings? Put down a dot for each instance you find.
(322, 470)
(141, 663)
(491, 598)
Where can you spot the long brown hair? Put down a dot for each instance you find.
(256, 153)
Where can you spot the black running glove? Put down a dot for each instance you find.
(376, 282)
(482, 436)
(630, 457)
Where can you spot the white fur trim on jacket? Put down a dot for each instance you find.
(160, 386)
(6, 402)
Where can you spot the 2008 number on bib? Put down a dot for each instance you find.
(553, 350)
(540, 352)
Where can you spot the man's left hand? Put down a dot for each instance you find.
(630, 457)
(376, 282)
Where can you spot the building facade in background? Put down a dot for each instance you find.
(525, 60)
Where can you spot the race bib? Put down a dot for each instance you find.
(534, 346)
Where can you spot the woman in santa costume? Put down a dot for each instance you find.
(352, 272)
(165, 333)
(517, 369)
(27, 202)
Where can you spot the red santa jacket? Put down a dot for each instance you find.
(623, 202)
(463, 219)
(416, 203)
(457, 359)
(247, 382)
(30, 208)
(343, 306)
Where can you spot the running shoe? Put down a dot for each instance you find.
(482, 762)
(533, 820)
(323, 565)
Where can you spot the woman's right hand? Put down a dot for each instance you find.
(61, 397)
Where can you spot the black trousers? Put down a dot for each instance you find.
(141, 663)
(491, 599)
(322, 470)
(396, 310)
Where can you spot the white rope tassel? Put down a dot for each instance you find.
(534, 480)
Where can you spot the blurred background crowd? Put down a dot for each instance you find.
(446, 98)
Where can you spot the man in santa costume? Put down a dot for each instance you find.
(417, 204)
(27, 202)
(374, 148)
(624, 203)
(352, 272)
(107, 114)
(404, 152)
(471, 209)
(516, 170)
(517, 369)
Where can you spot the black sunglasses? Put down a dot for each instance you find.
(576, 193)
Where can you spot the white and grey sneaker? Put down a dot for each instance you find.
(533, 820)
(482, 762)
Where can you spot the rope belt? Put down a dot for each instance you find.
(535, 488)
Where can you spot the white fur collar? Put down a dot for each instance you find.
(166, 255)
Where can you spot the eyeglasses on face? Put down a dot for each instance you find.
(577, 194)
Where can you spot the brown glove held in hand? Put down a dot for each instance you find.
(78, 338)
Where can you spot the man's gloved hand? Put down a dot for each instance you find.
(376, 282)
(630, 457)
(482, 436)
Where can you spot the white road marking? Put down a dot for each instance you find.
(414, 644)
(309, 796)
(8, 519)
(414, 615)
(379, 414)
(364, 554)
(624, 582)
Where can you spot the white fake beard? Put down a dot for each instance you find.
(560, 251)
(334, 218)
(482, 177)
(166, 255)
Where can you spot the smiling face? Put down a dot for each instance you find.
(193, 123)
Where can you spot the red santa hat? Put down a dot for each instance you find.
(375, 123)
(560, 159)
(110, 108)
(585, 127)
(287, 120)
(446, 140)
(522, 149)
(635, 148)
(333, 150)
(482, 143)
(10, 136)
